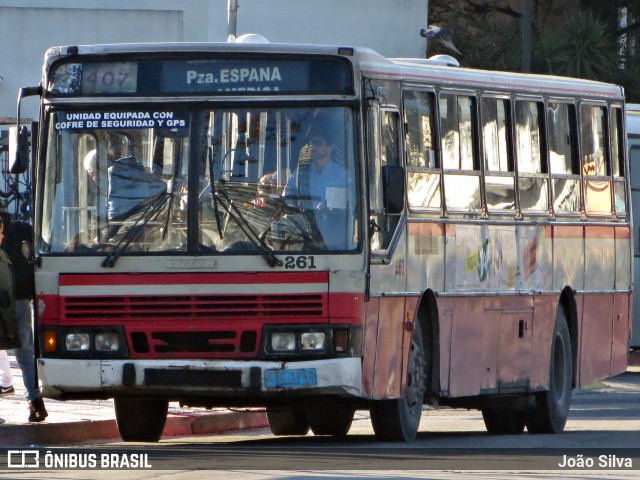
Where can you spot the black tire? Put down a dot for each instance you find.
(552, 407)
(504, 421)
(287, 421)
(398, 420)
(140, 419)
(331, 417)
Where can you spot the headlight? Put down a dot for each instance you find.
(77, 342)
(312, 341)
(283, 341)
(107, 342)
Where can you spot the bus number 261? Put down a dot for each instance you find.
(300, 262)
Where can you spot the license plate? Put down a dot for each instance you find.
(288, 378)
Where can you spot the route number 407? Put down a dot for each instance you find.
(301, 262)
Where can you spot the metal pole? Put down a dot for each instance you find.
(232, 17)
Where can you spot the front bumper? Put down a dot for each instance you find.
(186, 378)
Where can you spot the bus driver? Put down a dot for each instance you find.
(321, 185)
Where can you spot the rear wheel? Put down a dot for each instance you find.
(331, 417)
(287, 421)
(503, 421)
(552, 407)
(140, 419)
(398, 420)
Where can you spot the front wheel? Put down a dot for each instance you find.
(287, 421)
(140, 419)
(398, 420)
(331, 417)
(552, 407)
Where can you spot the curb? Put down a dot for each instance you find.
(177, 426)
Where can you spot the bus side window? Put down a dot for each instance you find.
(458, 125)
(531, 157)
(384, 150)
(423, 172)
(498, 161)
(390, 158)
(564, 163)
(596, 167)
(617, 162)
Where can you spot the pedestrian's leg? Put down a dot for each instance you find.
(6, 382)
(26, 359)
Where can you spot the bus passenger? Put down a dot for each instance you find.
(130, 184)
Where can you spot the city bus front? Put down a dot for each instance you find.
(199, 228)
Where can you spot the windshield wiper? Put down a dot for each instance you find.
(149, 211)
(236, 215)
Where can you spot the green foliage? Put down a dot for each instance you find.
(549, 52)
(581, 47)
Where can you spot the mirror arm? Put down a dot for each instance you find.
(26, 92)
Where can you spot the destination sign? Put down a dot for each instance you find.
(219, 76)
(234, 76)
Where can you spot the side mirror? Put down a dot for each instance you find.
(19, 136)
(18, 149)
(393, 188)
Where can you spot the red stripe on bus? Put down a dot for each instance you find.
(623, 233)
(600, 232)
(239, 278)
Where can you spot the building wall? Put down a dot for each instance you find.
(29, 27)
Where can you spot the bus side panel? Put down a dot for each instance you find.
(468, 366)
(389, 360)
(370, 345)
(568, 257)
(623, 302)
(445, 308)
(620, 346)
(596, 335)
(514, 341)
(544, 316)
(600, 258)
(425, 257)
(411, 304)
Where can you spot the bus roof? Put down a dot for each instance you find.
(371, 64)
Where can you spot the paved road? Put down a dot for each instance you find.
(604, 422)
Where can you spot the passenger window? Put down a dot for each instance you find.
(596, 167)
(617, 162)
(423, 174)
(459, 152)
(532, 165)
(498, 164)
(563, 157)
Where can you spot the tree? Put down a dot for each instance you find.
(596, 39)
(582, 46)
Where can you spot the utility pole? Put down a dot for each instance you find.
(527, 20)
(232, 17)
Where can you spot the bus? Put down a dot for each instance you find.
(316, 230)
(633, 141)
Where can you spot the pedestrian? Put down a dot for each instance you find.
(17, 232)
(9, 337)
(6, 382)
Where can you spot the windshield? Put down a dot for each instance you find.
(207, 181)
